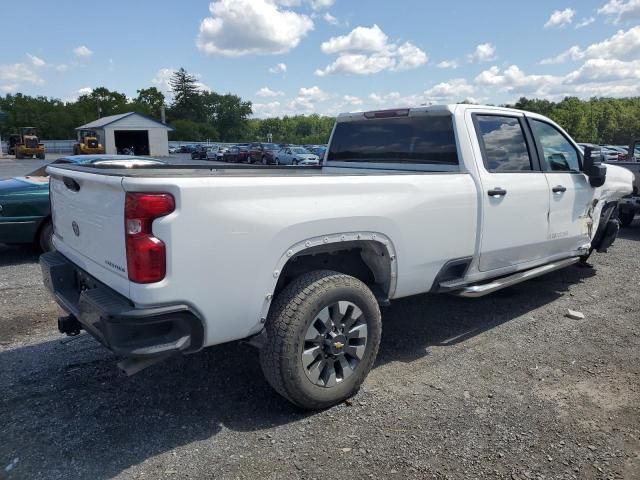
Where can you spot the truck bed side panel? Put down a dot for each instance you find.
(227, 234)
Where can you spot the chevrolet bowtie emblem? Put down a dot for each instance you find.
(338, 345)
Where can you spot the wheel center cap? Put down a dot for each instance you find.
(336, 343)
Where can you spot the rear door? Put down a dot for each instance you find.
(515, 193)
(88, 219)
(571, 196)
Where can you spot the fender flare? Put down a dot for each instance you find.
(334, 238)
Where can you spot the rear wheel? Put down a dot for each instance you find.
(323, 334)
(45, 237)
(41, 156)
(295, 161)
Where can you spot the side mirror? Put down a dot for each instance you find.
(593, 167)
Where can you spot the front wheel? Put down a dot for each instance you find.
(323, 334)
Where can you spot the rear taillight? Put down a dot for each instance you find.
(146, 254)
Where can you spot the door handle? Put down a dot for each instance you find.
(497, 192)
(559, 189)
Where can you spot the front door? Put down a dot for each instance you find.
(515, 193)
(571, 195)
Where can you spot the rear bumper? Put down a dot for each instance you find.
(113, 320)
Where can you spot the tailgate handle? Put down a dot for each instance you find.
(71, 184)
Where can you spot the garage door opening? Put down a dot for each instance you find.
(136, 140)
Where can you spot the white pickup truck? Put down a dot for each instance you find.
(459, 199)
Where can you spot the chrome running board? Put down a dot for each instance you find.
(481, 290)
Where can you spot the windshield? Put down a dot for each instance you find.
(300, 150)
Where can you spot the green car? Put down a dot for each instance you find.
(25, 214)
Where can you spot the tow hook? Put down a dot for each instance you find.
(69, 325)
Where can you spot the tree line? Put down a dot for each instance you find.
(193, 113)
(199, 115)
(614, 121)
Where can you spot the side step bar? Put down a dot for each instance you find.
(481, 290)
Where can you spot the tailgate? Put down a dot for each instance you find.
(88, 218)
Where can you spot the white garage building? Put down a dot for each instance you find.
(127, 130)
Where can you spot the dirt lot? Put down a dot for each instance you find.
(500, 387)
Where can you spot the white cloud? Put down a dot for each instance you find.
(330, 19)
(85, 90)
(271, 109)
(573, 53)
(621, 10)
(314, 93)
(267, 92)
(367, 50)
(605, 70)
(449, 64)
(162, 78)
(14, 75)
(585, 22)
(243, 27)
(82, 51)
(622, 46)
(352, 100)
(485, 52)
(453, 90)
(360, 39)
(278, 68)
(560, 18)
(36, 61)
(596, 77)
(322, 4)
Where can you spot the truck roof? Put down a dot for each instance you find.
(420, 110)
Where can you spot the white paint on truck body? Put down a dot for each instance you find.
(228, 238)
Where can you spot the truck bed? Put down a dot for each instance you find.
(237, 170)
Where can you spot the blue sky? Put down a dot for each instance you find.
(326, 56)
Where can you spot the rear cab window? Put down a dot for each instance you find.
(409, 142)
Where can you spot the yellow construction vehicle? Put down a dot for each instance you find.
(27, 144)
(87, 143)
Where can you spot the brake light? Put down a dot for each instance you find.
(403, 112)
(146, 254)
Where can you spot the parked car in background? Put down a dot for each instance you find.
(606, 155)
(243, 152)
(173, 149)
(623, 152)
(262, 153)
(295, 156)
(215, 152)
(318, 150)
(232, 155)
(25, 215)
(199, 152)
(187, 148)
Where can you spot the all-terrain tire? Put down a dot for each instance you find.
(291, 314)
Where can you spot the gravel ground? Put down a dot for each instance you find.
(504, 386)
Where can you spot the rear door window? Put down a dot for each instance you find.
(405, 140)
(503, 143)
